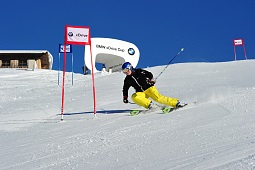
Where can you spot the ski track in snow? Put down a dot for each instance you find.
(215, 133)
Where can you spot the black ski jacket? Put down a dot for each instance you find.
(139, 80)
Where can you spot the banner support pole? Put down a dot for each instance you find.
(244, 52)
(72, 68)
(234, 52)
(58, 68)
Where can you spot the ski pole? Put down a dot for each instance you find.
(131, 103)
(182, 49)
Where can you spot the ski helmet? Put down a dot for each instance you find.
(127, 65)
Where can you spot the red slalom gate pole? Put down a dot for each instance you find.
(93, 82)
(63, 82)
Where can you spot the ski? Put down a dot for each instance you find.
(165, 110)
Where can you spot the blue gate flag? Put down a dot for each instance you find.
(68, 48)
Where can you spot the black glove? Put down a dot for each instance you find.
(151, 81)
(125, 99)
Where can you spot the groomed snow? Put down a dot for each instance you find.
(216, 131)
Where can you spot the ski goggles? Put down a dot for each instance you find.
(126, 70)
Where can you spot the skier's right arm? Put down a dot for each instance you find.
(126, 86)
(125, 99)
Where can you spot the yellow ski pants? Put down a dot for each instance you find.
(142, 98)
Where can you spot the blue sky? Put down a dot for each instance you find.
(205, 28)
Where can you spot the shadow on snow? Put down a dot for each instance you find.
(100, 112)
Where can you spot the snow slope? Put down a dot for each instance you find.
(217, 132)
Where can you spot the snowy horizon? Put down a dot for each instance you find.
(216, 131)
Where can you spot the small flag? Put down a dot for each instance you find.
(238, 42)
(68, 48)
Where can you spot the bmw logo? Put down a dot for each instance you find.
(131, 51)
(70, 34)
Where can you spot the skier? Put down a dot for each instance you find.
(142, 81)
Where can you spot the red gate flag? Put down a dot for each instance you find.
(238, 42)
(79, 35)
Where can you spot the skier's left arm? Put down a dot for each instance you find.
(149, 77)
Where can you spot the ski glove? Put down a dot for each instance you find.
(125, 100)
(151, 81)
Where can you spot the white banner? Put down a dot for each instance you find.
(77, 35)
